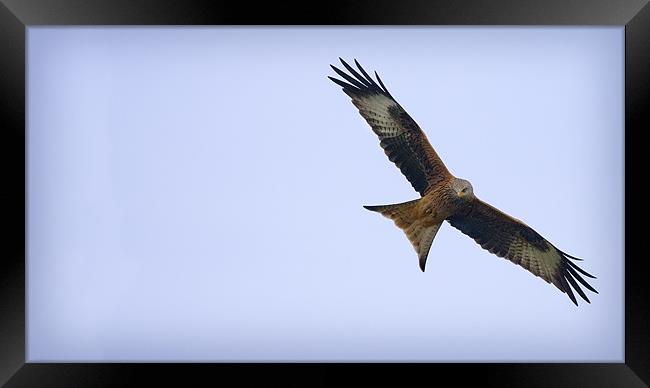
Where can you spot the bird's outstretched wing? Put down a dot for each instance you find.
(401, 138)
(508, 237)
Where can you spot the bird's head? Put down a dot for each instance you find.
(463, 189)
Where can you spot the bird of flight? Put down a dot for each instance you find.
(447, 198)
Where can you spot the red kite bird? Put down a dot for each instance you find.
(445, 197)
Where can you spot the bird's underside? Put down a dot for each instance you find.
(447, 198)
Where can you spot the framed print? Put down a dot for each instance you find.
(185, 189)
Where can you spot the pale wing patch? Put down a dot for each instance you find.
(543, 264)
(375, 109)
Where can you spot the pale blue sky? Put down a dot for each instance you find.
(196, 194)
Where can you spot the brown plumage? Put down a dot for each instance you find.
(447, 198)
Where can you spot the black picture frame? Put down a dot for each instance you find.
(17, 15)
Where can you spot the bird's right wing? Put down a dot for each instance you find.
(508, 237)
(401, 138)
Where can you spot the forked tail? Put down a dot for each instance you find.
(418, 228)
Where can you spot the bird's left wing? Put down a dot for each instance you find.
(510, 238)
(401, 138)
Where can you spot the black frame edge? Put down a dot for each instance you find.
(637, 106)
(309, 374)
(12, 122)
(365, 12)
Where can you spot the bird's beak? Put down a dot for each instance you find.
(461, 194)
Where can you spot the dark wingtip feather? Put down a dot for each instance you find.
(580, 279)
(568, 274)
(348, 78)
(357, 75)
(572, 257)
(563, 286)
(344, 63)
(344, 85)
(359, 83)
(568, 290)
(567, 255)
(582, 271)
(576, 287)
(369, 78)
(382, 85)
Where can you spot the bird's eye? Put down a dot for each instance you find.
(464, 190)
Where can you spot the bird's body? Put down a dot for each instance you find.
(440, 202)
(445, 197)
